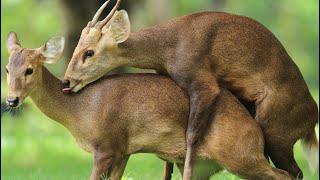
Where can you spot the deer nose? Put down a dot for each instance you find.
(13, 102)
(66, 83)
(66, 86)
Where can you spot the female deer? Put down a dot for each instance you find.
(126, 114)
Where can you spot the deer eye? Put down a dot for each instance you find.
(7, 70)
(88, 53)
(28, 72)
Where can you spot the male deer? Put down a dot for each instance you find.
(202, 52)
(126, 114)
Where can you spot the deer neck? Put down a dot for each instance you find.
(49, 98)
(145, 49)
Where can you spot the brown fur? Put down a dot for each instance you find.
(143, 113)
(204, 51)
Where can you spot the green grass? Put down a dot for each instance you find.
(35, 147)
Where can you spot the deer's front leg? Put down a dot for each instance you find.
(202, 88)
(118, 167)
(102, 162)
(168, 170)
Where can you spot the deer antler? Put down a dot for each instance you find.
(98, 13)
(100, 24)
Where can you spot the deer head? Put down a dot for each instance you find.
(24, 69)
(97, 49)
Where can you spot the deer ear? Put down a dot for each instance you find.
(53, 49)
(12, 42)
(119, 26)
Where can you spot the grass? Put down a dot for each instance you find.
(35, 147)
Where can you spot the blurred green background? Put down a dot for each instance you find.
(35, 147)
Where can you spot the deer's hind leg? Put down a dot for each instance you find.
(237, 144)
(283, 124)
(249, 163)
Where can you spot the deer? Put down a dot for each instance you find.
(203, 52)
(124, 114)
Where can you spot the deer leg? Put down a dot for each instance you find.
(168, 170)
(101, 164)
(118, 167)
(259, 168)
(281, 128)
(281, 155)
(243, 150)
(202, 88)
(202, 95)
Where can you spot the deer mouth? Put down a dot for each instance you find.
(67, 90)
(74, 88)
(77, 87)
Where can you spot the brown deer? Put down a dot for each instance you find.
(202, 52)
(139, 113)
